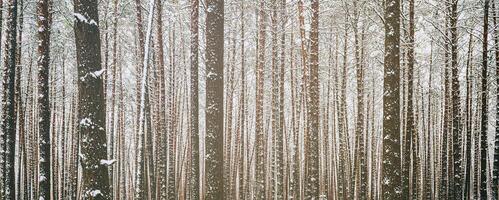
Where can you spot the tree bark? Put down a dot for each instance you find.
(195, 156)
(484, 103)
(214, 99)
(9, 117)
(261, 152)
(312, 137)
(391, 172)
(44, 100)
(91, 105)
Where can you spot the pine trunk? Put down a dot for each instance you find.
(91, 105)
(9, 117)
(44, 100)
(391, 172)
(214, 99)
(484, 103)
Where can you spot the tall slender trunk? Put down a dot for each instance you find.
(391, 171)
(495, 172)
(214, 99)
(44, 100)
(142, 160)
(410, 138)
(312, 136)
(243, 149)
(469, 122)
(195, 156)
(260, 187)
(456, 105)
(360, 171)
(484, 103)
(9, 117)
(280, 143)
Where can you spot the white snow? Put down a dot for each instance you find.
(42, 178)
(86, 122)
(82, 18)
(98, 73)
(107, 162)
(95, 193)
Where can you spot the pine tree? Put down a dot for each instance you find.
(484, 103)
(44, 100)
(214, 99)
(9, 117)
(411, 138)
(91, 104)
(194, 179)
(456, 104)
(312, 137)
(391, 172)
(260, 187)
(495, 172)
(469, 121)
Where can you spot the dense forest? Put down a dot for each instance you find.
(249, 99)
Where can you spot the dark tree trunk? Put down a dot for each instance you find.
(214, 99)
(391, 172)
(411, 138)
(194, 179)
(484, 103)
(91, 104)
(456, 105)
(495, 173)
(9, 117)
(43, 99)
(312, 136)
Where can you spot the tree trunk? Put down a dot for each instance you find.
(391, 172)
(143, 129)
(9, 118)
(495, 172)
(312, 137)
(260, 187)
(484, 103)
(469, 122)
(195, 156)
(91, 105)
(44, 100)
(214, 99)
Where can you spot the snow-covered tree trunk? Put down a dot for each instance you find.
(391, 168)
(260, 136)
(312, 137)
(410, 138)
(456, 104)
(141, 184)
(484, 105)
(194, 115)
(44, 111)
(214, 161)
(468, 122)
(495, 172)
(243, 148)
(91, 104)
(9, 117)
(2, 134)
